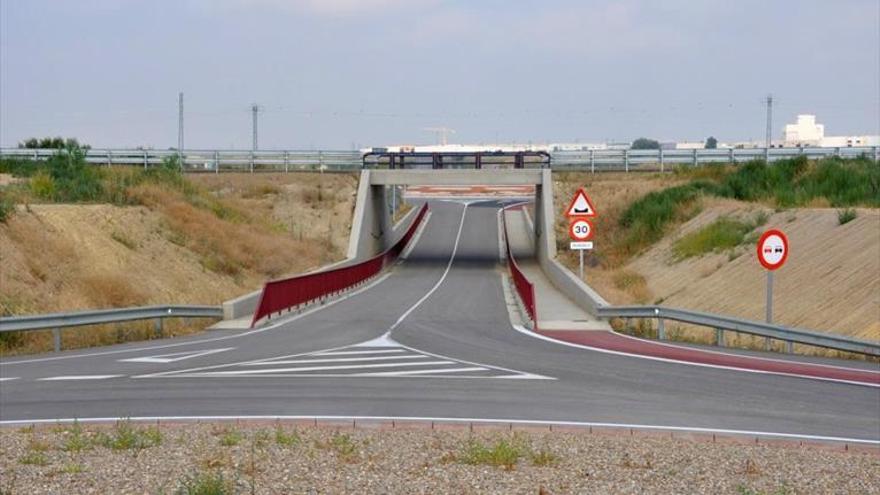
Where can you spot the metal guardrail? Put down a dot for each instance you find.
(57, 321)
(722, 323)
(341, 160)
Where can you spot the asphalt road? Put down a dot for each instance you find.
(433, 339)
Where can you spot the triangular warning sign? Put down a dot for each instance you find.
(580, 206)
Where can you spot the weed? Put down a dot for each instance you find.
(34, 458)
(544, 458)
(73, 468)
(286, 439)
(846, 215)
(503, 453)
(261, 438)
(344, 446)
(7, 207)
(76, 441)
(230, 437)
(126, 436)
(206, 483)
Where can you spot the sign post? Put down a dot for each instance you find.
(581, 230)
(772, 253)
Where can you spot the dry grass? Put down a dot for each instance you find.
(203, 244)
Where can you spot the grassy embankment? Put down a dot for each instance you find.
(629, 228)
(234, 233)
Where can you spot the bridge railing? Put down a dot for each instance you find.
(288, 293)
(524, 288)
(596, 160)
(58, 321)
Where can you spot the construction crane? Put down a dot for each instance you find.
(442, 133)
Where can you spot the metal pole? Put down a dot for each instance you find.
(626, 160)
(592, 163)
(56, 338)
(769, 305)
(216, 162)
(145, 159)
(180, 130)
(661, 160)
(719, 337)
(286, 161)
(696, 161)
(157, 327)
(661, 329)
(769, 131)
(581, 270)
(254, 110)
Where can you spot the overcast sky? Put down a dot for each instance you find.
(338, 73)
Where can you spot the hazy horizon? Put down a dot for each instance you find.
(343, 73)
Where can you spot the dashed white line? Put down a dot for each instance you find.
(9, 378)
(421, 372)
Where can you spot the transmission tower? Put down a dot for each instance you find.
(769, 133)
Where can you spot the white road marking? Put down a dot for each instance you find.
(174, 357)
(9, 378)
(346, 353)
(518, 421)
(422, 372)
(77, 377)
(335, 360)
(319, 368)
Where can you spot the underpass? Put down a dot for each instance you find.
(437, 336)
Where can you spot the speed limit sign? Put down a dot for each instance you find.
(580, 230)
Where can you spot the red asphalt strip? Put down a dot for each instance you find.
(631, 345)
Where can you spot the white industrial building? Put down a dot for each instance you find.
(806, 132)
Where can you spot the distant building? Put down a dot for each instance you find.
(806, 132)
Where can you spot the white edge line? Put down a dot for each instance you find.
(695, 429)
(335, 360)
(9, 378)
(525, 331)
(281, 371)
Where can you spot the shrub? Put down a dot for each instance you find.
(503, 453)
(724, 233)
(7, 208)
(43, 186)
(846, 215)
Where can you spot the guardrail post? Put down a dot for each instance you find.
(592, 163)
(157, 327)
(109, 158)
(146, 160)
(719, 337)
(252, 162)
(767, 154)
(286, 161)
(877, 153)
(661, 160)
(626, 160)
(730, 156)
(696, 161)
(56, 339)
(837, 151)
(767, 343)
(789, 347)
(661, 329)
(216, 162)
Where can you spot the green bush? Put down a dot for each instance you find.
(43, 185)
(845, 216)
(7, 208)
(724, 233)
(647, 218)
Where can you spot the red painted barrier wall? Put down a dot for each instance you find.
(279, 295)
(524, 288)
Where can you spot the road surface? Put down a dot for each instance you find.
(431, 339)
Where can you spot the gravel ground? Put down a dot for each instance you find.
(286, 458)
